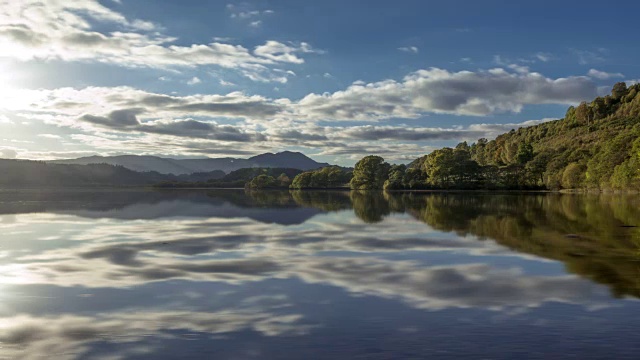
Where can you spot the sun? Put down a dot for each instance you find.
(13, 95)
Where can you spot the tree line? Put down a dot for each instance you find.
(596, 146)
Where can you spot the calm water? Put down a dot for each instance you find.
(318, 275)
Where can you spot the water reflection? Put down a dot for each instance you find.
(135, 274)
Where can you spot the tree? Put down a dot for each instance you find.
(439, 167)
(327, 177)
(583, 113)
(525, 153)
(536, 167)
(619, 90)
(396, 177)
(477, 151)
(302, 180)
(370, 173)
(599, 108)
(414, 178)
(283, 180)
(261, 182)
(571, 114)
(572, 176)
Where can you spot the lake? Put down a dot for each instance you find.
(226, 274)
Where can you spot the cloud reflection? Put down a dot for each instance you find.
(418, 252)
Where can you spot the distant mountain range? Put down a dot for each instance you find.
(285, 159)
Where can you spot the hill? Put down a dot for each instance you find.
(161, 165)
(235, 179)
(596, 146)
(37, 174)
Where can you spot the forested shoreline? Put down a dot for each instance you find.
(595, 147)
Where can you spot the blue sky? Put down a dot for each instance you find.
(336, 80)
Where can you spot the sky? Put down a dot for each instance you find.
(333, 79)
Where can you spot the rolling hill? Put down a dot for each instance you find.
(162, 165)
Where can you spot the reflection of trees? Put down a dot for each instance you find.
(587, 233)
(268, 198)
(324, 200)
(370, 206)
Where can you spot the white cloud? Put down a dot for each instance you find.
(51, 29)
(490, 131)
(519, 68)
(409, 49)
(133, 120)
(279, 52)
(589, 57)
(497, 59)
(544, 57)
(603, 75)
(6, 153)
(422, 92)
(49, 136)
(5, 120)
(243, 12)
(194, 80)
(248, 14)
(440, 91)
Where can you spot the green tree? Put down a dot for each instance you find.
(396, 177)
(327, 177)
(414, 178)
(525, 153)
(262, 182)
(370, 173)
(583, 113)
(619, 90)
(439, 167)
(599, 108)
(573, 176)
(283, 180)
(478, 151)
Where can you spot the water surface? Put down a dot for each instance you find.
(322, 275)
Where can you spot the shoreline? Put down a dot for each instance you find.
(342, 189)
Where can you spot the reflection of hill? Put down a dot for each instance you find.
(587, 233)
(269, 207)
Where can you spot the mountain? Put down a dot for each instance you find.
(135, 163)
(161, 165)
(287, 159)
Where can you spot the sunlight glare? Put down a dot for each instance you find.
(12, 95)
